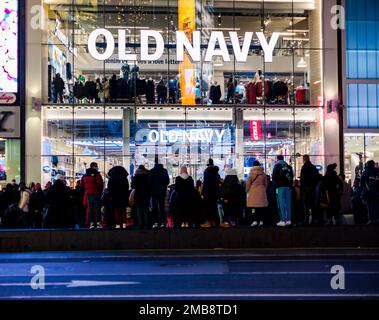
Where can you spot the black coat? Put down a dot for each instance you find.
(59, 202)
(159, 180)
(333, 184)
(7, 198)
(184, 195)
(211, 183)
(309, 176)
(118, 187)
(140, 183)
(215, 94)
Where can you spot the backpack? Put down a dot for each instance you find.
(14, 218)
(286, 174)
(372, 184)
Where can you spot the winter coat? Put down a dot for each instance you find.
(158, 180)
(367, 194)
(333, 184)
(113, 88)
(24, 200)
(140, 183)
(256, 188)
(8, 197)
(92, 182)
(161, 90)
(37, 201)
(346, 198)
(215, 94)
(184, 194)
(232, 191)
(211, 183)
(309, 177)
(59, 207)
(118, 186)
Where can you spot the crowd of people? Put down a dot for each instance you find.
(150, 201)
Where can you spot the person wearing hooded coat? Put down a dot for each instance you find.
(159, 181)
(232, 198)
(184, 198)
(331, 193)
(141, 186)
(211, 194)
(118, 188)
(256, 189)
(59, 212)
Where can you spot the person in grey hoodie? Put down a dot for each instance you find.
(282, 177)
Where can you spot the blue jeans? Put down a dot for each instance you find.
(94, 208)
(284, 199)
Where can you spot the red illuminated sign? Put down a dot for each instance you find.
(255, 130)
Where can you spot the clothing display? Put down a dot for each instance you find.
(215, 93)
(251, 93)
(150, 91)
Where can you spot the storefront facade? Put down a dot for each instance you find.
(361, 85)
(255, 79)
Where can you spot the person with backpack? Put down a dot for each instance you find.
(370, 191)
(282, 177)
(256, 189)
(331, 190)
(92, 183)
(309, 178)
(158, 180)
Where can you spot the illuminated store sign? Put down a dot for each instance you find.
(192, 136)
(216, 45)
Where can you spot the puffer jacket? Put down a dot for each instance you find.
(92, 182)
(256, 187)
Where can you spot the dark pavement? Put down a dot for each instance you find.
(200, 274)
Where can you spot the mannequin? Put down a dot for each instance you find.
(215, 93)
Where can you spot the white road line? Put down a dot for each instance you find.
(74, 283)
(191, 273)
(204, 295)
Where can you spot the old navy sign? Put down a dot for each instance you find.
(216, 45)
(191, 136)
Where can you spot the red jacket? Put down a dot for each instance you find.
(251, 93)
(92, 182)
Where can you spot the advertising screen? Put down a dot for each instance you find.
(8, 45)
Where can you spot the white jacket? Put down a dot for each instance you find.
(24, 201)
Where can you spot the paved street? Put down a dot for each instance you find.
(215, 274)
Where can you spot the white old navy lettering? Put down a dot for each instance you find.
(216, 46)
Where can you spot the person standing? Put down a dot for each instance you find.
(283, 179)
(36, 205)
(370, 191)
(211, 194)
(231, 87)
(256, 189)
(93, 184)
(346, 196)
(231, 197)
(309, 178)
(158, 180)
(184, 198)
(58, 84)
(331, 194)
(118, 188)
(141, 186)
(24, 198)
(113, 91)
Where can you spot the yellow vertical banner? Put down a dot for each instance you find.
(187, 69)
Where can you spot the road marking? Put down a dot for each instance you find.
(205, 295)
(74, 283)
